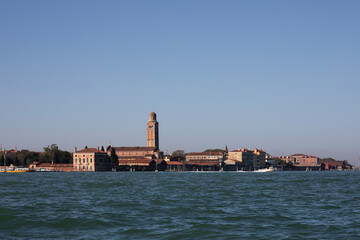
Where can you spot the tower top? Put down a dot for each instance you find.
(152, 116)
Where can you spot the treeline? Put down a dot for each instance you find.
(23, 158)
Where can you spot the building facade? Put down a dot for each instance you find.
(90, 160)
(305, 160)
(244, 157)
(259, 159)
(204, 161)
(125, 153)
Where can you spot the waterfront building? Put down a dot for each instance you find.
(211, 156)
(90, 160)
(126, 153)
(244, 158)
(231, 165)
(51, 167)
(287, 159)
(175, 166)
(136, 165)
(259, 159)
(204, 161)
(331, 164)
(303, 160)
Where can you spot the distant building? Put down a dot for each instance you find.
(212, 156)
(136, 165)
(174, 166)
(50, 167)
(287, 159)
(244, 157)
(151, 151)
(305, 160)
(204, 161)
(125, 153)
(331, 164)
(259, 159)
(90, 160)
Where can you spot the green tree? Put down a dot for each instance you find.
(2, 160)
(16, 161)
(279, 162)
(114, 158)
(178, 153)
(8, 161)
(56, 156)
(65, 157)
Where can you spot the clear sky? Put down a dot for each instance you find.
(278, 75)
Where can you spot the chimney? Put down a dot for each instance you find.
(97, 149)
(75, 149)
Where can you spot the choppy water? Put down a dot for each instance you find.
(228, 205)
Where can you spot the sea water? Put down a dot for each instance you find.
(180, 205)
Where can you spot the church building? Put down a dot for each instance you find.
(151, 151)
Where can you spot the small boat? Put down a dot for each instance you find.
(265, 170)
(16, 170)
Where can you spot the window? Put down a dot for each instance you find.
(84, 160)
(75, 168)
(83, 155)
(75, 160)
(91, 160)
(90, 167)
(87, 160)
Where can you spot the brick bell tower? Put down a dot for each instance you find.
(152, 131)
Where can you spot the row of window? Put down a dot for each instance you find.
(83, 168)
(87, 160)
(79, 155)
(206, 157)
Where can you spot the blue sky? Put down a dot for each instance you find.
(279, 75)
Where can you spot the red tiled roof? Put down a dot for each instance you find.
(241, 150)
(89, 150)
(203, 163)
(174, 163)
(332, 163)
